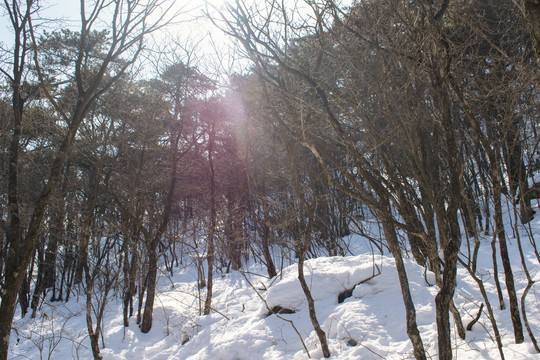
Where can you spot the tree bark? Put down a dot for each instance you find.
(271, 268)
(170, 195)
(13, 273)
(211, 231)
(443, 299)
(131, 31)
(480, 283)
(531, 13)
(94, 336)
(410, 311)
(508, 274)
(17, 259)
(131, 289)
(47, 271)
(152, 248)
(146, 324)
(311, 305)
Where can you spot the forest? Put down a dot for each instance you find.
(412, 125)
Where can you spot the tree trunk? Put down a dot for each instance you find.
(7, 308)
(410, 311)
(14, 272)
(24, 292)
(211, 231)
(531, 13)
(508, 274)
(18, 259)
(94, 336)
(489, 308)
(47, 270)
(152, 248)
(502, 306)
(443, 299)
(311, 304)
(146, 324)
(271, 268)
(130, 285)
(530, 283)
(211, 253)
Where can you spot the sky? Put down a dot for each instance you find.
(192, 38)
(204, 44)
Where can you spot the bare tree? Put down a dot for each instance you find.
(130, 22)
(531, 14)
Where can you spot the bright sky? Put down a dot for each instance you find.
(205, 45)
(192, 37)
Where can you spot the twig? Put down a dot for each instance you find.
(280, 317)
(359, 343)
(195, 296)
(475, 320)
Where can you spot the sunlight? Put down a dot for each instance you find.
(268, 179)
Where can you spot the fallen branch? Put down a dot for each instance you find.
(347, 293)
(280, 317)
(475, 320)
(195, 296)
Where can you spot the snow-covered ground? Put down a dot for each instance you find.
(368, 325)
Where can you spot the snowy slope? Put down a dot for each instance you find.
(368, 325)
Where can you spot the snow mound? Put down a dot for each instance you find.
(370, 324)
(326, 277)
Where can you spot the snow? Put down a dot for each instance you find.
(324, 276)
(368, 325)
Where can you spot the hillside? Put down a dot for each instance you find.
(367, 325)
